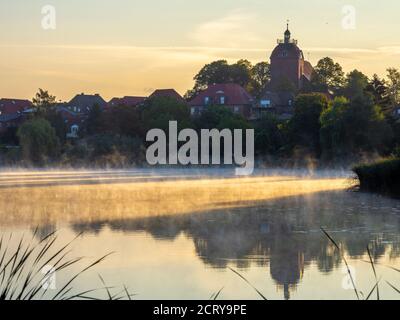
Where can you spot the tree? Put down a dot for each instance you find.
(38, 141)
(123, 120)
(215, 72)
(268, 136)
(159, 111)
(220, 117)
(328, 76)
(394, 86)
(378, 89)
(260, 77)
(43, 101)
(356, 85)
(95, 121)
(304, 127)
(240, 73)
(57, 122)
(221, 72)
(351, 127)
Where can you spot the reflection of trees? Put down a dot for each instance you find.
(286, 233)
(44, 231)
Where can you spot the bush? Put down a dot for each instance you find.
(382, 176)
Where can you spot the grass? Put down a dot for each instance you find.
(382, 176)
(373, 267)
(21, 270)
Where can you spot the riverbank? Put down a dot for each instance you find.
(381, 177)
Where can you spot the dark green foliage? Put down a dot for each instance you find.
(57, 122)
(356, 85)
(328, 76)
(304, 127)
(352, 127)
(269, 137)
(378, 89)
(260, 77)
(38, 141)
(123, 120)
(95, 123)
(252, 78)
(382, 176)
(220, 117)
(114, 150)
(158, 112)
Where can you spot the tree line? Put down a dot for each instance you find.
(336, 117)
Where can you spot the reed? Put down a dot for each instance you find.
(21, 270)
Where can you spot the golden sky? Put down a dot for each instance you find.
(123, 47)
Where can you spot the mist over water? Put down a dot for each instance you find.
(175, 232)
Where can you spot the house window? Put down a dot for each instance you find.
(237, 109)
(398, 111)
(265, 103)
(206, 100)
(222, 100)
(290, 102)
(192, 111)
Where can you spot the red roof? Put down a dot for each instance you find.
(10, 106)
(126, 101)
(167, 93)
(233, 93)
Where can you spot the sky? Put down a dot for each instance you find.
(131, 47)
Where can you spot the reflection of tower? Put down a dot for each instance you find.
(287, 268)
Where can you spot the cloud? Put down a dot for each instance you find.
(232, 30)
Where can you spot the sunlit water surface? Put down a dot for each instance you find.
(175, 234)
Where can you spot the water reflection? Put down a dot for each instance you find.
(282, 235)
(272, 223)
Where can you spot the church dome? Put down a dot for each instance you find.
(288, 51)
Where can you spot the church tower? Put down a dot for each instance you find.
(289, 70)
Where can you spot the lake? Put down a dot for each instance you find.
(178, 234)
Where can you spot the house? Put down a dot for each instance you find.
(167, 93)
(13, 106)
(77, 110)
(12, 112)
(128, 101)
(230, 95)
(8, 121)
(281, 104)
(83, 103)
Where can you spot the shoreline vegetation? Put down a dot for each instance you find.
(381, 177)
